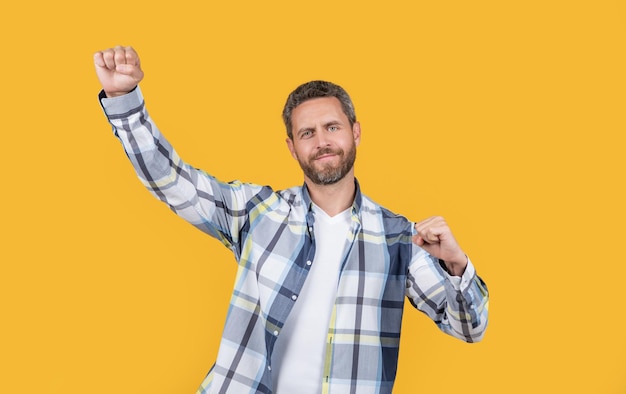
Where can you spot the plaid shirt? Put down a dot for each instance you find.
(271, 235)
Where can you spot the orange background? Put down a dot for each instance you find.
(507, 118)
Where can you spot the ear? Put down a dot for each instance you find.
(356, 133)
(292, 150)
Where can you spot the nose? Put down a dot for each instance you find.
(322, 138)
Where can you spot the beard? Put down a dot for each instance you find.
(329, 174)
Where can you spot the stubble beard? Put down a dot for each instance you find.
(329, 174)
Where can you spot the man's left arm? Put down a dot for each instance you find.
(442, 282)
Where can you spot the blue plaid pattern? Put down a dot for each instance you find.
(271, 235)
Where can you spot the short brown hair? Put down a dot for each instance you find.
(317, 89)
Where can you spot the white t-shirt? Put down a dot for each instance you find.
(298, 357)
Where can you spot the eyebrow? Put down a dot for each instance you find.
(325, 125)
(332, 123)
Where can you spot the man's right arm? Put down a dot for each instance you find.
(214, 207)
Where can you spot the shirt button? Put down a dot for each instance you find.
(308, 262)
(294, 297)
(269, 367)
(276, 333)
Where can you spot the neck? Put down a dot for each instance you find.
(335, 198)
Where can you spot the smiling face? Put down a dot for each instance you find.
(323, 141)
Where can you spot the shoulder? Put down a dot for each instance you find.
(258, 196)
(392, 222)
(294, 196)
(268, 199)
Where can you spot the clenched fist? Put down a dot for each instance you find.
(118, 70)
(434, 236)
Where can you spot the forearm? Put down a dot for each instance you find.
(458, 305)
(151, 155)
(190, 193)
(467, 306)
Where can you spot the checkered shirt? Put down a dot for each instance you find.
(271, 236)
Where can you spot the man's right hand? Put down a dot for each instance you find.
(118, 70)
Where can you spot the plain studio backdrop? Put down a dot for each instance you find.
(507, 118)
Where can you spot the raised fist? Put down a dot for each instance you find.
(118, 70)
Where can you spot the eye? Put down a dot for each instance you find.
(333, 128)
(306, 134)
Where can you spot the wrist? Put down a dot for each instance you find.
(114, 94)
(118, 94)
(456, 266)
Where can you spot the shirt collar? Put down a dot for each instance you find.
(356, 204)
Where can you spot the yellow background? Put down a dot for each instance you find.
(505, 117)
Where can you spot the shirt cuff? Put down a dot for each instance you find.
(121, 105)
(462, 282)
(456, 281)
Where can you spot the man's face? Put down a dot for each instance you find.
(323, 141)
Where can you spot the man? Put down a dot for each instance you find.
(322, 269)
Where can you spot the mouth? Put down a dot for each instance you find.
(325, 156)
